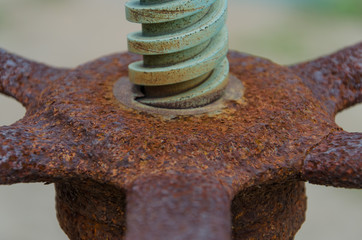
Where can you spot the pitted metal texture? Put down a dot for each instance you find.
(122, 173)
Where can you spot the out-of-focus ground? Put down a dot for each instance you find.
(70, 32)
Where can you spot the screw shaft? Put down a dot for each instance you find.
(184, 45)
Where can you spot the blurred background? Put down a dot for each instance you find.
(67, 33)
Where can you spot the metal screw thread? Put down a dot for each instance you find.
(184, 45)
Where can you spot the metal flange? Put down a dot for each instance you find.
(187, 177)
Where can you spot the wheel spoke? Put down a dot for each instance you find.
(178, 207)
(335, 80)
(336, 161)
(25, 79)
(23, 154)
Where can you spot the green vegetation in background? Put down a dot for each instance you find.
(341, 7)
(351, 8)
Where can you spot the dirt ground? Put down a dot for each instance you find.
(70, 32)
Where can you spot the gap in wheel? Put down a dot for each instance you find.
(351, 119)
(10, 110)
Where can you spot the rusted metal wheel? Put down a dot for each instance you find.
(234, 174)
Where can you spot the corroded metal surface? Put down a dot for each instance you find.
(123, 173)
(184, 46)
(336, 161)
(262, 211)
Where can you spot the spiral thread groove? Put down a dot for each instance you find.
(184, 45)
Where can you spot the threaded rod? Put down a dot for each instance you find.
(184, 45)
